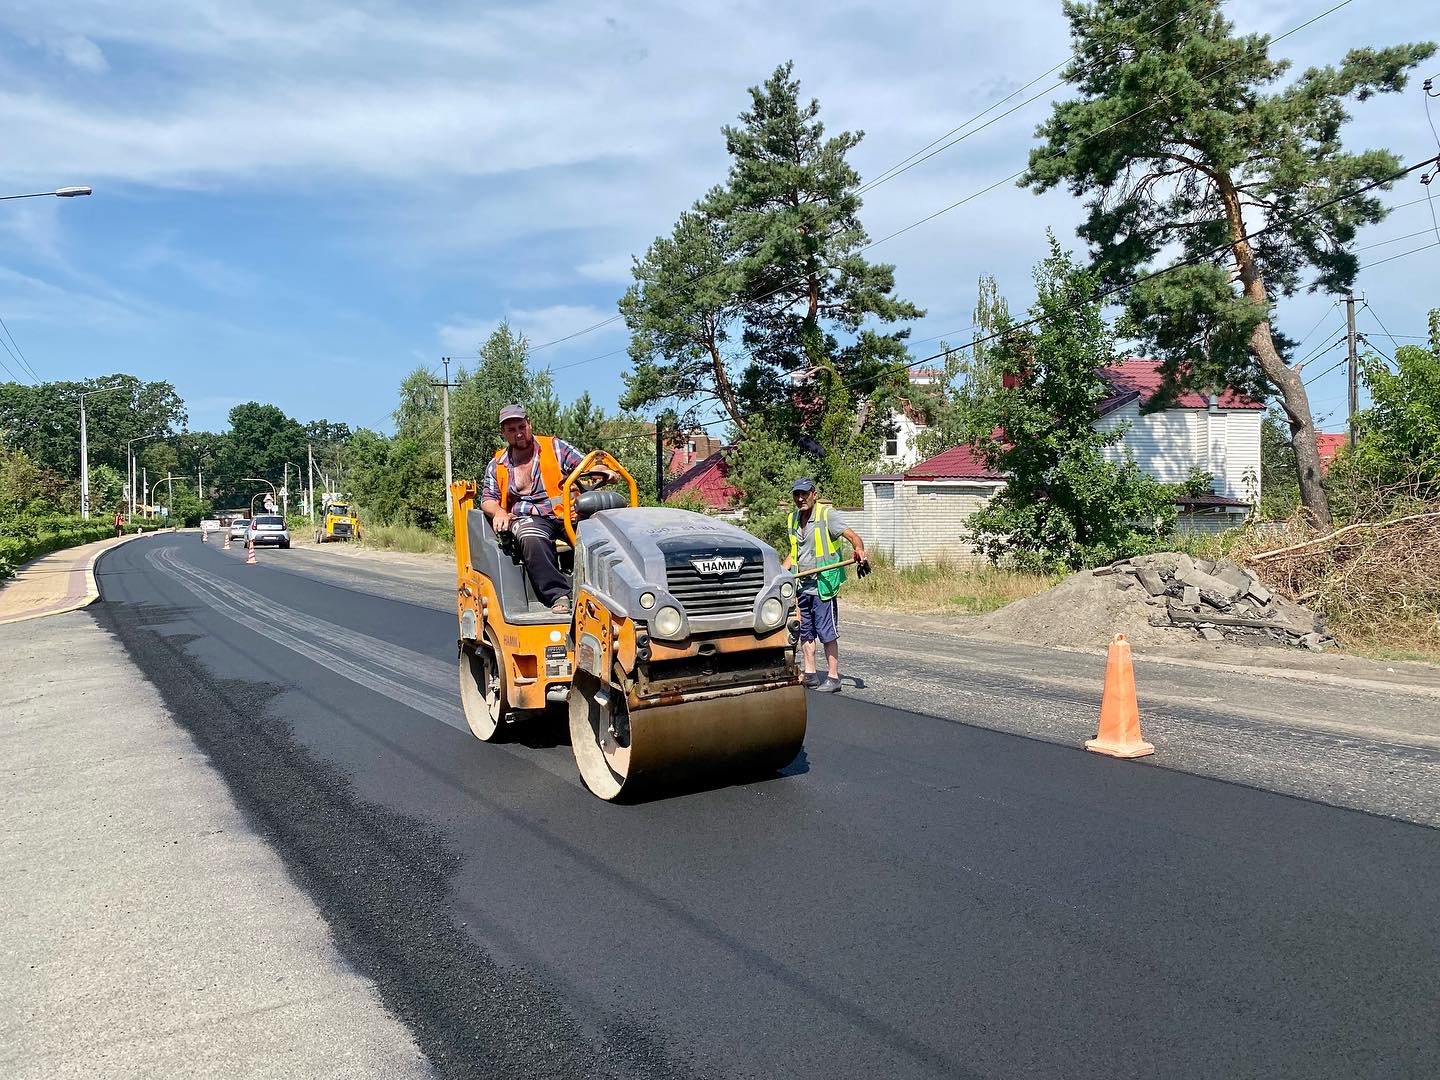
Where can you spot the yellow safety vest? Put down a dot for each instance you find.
(823, 545)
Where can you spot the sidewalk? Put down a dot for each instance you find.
(149, 932)
(55, 583)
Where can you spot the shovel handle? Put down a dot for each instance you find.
(831, 566)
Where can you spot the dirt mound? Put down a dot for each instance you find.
(1162, 599)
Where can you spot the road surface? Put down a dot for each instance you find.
(917, 896)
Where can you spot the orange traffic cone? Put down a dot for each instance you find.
(250, 558)
(227, 541)
(1119, 734)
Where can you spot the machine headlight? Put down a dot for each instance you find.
(666, 623)
(772, 612)
(647, 600)
(787, 590)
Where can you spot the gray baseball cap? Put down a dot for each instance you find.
(513, 412)
(803, 484)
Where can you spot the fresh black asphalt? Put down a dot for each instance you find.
(912, 898)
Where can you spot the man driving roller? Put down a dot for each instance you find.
(521, 495)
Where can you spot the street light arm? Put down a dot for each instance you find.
(58, 193)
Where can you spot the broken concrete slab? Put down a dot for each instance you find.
(1259, 593)
(1213, 590)
(1209, 633)
(1233, 574)
(1190, 596)
(1153, 582)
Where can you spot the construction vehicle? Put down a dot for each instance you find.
(337, 522)
(676, 659)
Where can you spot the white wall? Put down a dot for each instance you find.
(906, 433)
(921, 521)
(1168, 444)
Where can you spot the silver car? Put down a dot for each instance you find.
(268, 529)
(238, 529)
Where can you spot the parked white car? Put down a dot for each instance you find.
(208, 526)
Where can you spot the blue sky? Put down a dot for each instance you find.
(298, 203)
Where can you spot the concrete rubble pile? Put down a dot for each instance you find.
(1219, 600)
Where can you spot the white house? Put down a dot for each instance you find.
(921, 514)
(904, 427)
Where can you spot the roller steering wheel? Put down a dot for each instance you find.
(591, 479)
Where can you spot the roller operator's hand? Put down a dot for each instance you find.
(501, 521)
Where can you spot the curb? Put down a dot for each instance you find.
(92, 587)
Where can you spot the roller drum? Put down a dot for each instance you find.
(626, 747)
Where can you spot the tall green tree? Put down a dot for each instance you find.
(1066, 502)
(683, 314)
(44, 420)
(1185, 143)
(260, 440)
(765, 276)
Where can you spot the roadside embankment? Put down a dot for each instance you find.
(149, 931)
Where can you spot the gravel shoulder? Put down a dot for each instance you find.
(150, 932)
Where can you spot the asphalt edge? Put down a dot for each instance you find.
(92, 586)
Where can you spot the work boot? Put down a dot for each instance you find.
(811, 680)
(829, 686)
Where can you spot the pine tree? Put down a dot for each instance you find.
(1183, 149)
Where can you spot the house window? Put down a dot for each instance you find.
(885, 491)
(892, 445)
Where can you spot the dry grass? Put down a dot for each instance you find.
(943, 587)
(409, 538)
(1376, 582)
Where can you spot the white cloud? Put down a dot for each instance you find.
(612, 269)
(80, 52)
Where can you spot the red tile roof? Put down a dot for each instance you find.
(1138, 379)
(707, 481)
(957, 463)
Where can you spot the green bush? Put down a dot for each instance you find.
(26, 536)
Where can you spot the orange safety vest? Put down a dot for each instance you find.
(550, 475)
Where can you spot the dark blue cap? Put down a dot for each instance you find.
(803, 484)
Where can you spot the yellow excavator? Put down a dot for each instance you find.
(678, 656)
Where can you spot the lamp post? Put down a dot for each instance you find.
(58, 193)
(84, 455)
(130, 462)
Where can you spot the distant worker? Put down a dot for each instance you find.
(119, 524)
(813, 532)
(521, 495)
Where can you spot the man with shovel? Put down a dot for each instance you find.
(819, 571)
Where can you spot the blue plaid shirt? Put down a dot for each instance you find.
(536, 503)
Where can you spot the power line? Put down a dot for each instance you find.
(974, 195)
(1403, 254)
(20, 356)
(1376, 316)
(1203, 256)
(915, 159)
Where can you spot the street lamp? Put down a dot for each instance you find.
(169, 506)
(85, 457)
(130, 461)
(58, 193)
(260, 480)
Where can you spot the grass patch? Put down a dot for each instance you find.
(943, 587)
(410, 538)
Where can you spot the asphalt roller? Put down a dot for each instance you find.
(676, 662)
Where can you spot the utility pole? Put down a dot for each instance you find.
(145, 487)
(310, 502)
(659, 460)
(1353, 366)
(445, 415)
(85, 450)
(285, 493)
